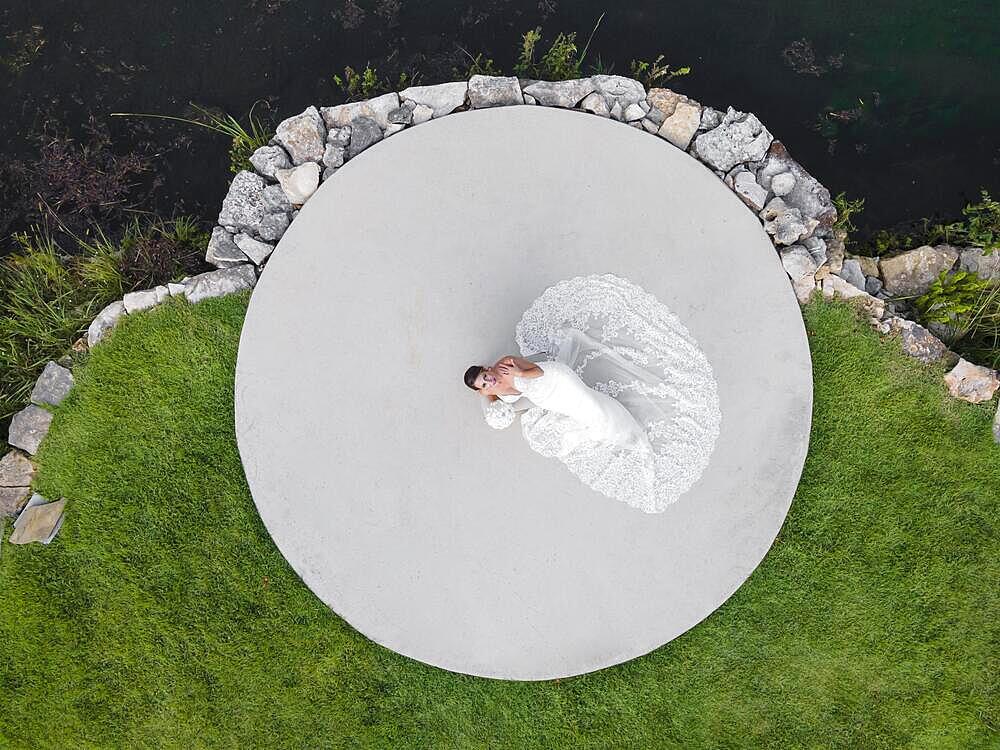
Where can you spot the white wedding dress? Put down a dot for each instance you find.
(627, 401)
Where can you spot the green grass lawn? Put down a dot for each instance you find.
(164, 616)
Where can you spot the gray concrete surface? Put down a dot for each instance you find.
(369, 460)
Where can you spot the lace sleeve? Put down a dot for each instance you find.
(499, 414)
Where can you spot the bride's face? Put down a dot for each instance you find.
(487, 381)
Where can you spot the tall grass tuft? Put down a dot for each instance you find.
(243, 140)
(48, 297)
(46, 301)
(969, 308)
(559, 63)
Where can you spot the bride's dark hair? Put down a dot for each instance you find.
(470, 376)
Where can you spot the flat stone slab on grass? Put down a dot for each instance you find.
(16, 470)
(104, 321)
(12, 499)
(39, 521)
(971, 382)
(428, 531)
(28, 427)
(52, 385)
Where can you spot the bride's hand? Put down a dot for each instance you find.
(507, 365)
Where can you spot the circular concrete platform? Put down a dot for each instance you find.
(369, 459)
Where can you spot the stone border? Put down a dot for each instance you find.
(795, 209)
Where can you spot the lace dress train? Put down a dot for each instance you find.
(644, 425)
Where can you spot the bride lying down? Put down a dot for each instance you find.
(619, 391)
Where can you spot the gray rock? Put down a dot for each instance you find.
(738, 138)
(12, 500)
(633, 112)
(656, 116)
(142, 299)
(275, 200)
(945, 332)
(746, 187)
(917, 341)
(381, 106)
(243, 206)
(254, 249)
(341, 115)
(565, 94)
(621, 90)
(798, 262)
(339, 136)
(219, 283)
(873, 285)
(835, 253)
(996, 425)
(268, 159)
(912, 272)
(616, 111)
(680, 127)
(299, 183)
(442, 98)
(377, 109)
(364, 132)
(784, 223)
(834, 286)
(333, 157)
(529, 99)
(807, 194)
(595, 104)
(649, 126)
(422, 113)
(783, 183)
(817, 249)
(52, 385)
(104, 322)
(175, 290)
(804, 288)
(972, 383)
(303, 136)
(869, 265)
(494, 91)
(984, 266)
(851, 272)
(710, 119)
(222, 252)
(393, 129)
(28, 427)
(402, 115)
(272, 226)
(328, 172)
(663, 103)
(16, 470)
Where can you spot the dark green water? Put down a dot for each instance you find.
(915, 83)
